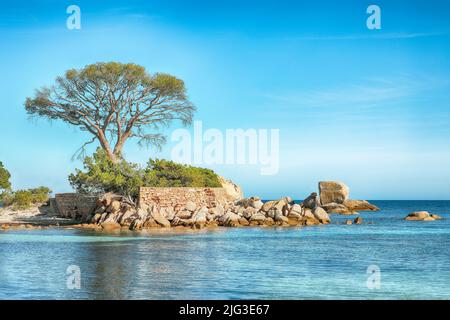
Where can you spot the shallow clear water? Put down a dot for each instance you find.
(323, 262)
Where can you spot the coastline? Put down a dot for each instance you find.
(317, 262)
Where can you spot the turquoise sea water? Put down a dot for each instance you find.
(323, 262)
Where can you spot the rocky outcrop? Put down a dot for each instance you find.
(115, 213)
(422, 216)
(233, 191)
(334, 199)
(161, 210)
(231, 211)
(333, 191)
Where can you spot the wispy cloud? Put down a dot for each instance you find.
(369, 91)
(380, 36)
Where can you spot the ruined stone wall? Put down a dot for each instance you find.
(75, 205)
(178, 197)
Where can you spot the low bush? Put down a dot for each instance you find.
(164, 173)
(23, 199)
(5, 185)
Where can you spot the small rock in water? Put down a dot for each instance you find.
(358, 220)
(421, 216)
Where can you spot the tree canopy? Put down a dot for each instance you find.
(114, 102)
(4, 179)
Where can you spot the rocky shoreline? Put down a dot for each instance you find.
(114, 212)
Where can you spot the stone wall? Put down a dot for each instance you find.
(78, 206)
(178, 197)
(74, 205)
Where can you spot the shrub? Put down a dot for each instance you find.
(164, 173)
(102, 175)
(23, 199)
(40, 194)
(5, 185)
(125, 178)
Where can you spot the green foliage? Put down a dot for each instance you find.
(23, 199)
(103, 175)
(20, 199)
(164, 173)
(4, 179)
(40, 194)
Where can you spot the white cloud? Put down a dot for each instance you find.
(369, 91)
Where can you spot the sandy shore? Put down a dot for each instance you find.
(35, 216)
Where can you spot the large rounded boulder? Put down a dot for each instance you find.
(333, 191)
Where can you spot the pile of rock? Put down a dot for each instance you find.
(333, 198)
(116, 212)
(422, 216)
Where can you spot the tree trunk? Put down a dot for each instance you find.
(112, 157)
(105, 145)
(119, 145)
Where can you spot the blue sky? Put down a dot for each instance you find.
(367, 107)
